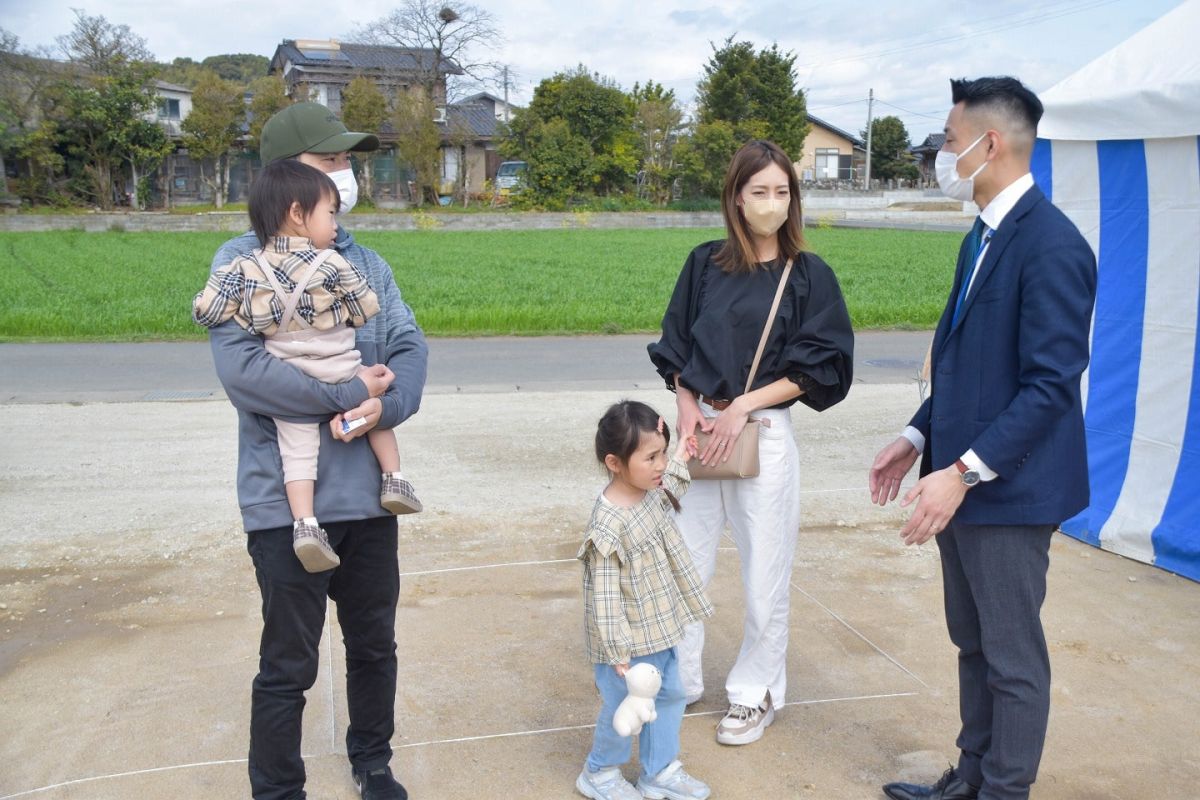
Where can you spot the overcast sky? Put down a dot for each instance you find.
(905, 51)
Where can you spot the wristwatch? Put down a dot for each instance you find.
(970, 477)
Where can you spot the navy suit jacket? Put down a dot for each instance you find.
(1005, 379)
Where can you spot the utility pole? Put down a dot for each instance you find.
(870, 104)
(506, 94)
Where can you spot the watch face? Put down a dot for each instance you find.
(970, 477)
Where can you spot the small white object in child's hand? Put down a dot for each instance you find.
(353, 424)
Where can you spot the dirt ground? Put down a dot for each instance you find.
(130, 620)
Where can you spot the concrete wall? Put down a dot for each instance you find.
(237, 222)
(818, 206)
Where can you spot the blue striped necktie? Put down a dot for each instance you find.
(976, 240)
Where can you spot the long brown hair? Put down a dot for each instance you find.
(737, 253)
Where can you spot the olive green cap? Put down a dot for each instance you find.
(309, 128)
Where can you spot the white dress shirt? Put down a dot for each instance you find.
(992, 215)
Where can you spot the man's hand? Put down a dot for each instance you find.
(370, 410)
(938, 496)
(621, 669)
(377, 378)
(889, 469)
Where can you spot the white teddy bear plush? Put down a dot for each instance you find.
(642, 681)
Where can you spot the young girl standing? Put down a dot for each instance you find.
(639, 590)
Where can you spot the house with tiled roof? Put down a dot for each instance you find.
(831, 156)
(501, 108)
(926, 153)
(320, 69)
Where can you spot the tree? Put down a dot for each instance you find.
(778, 102)
(102, 114)
(704, 158)
(890, 157)
(183, 71)
(268, 95)
(725, 91)
(418, 142)
(455, 40)
(101, 47)
(149, 146)
(595, 148)
(755, 94)
(239, 68)
(364, 108)
(213, 128)
(102, 119)
(657, 122)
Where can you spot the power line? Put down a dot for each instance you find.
(910, 111)
(838, 105)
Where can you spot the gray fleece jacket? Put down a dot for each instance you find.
(261, 387)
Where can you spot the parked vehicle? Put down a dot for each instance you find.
(510, 177)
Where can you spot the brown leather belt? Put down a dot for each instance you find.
(718, 405)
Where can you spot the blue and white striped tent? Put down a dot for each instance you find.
(1119, 153)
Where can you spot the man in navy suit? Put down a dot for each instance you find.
(1001, 436)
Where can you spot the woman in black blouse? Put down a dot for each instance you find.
(711, 330)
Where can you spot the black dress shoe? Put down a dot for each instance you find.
(948, 787)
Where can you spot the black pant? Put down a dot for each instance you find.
(994, 578)
(365, 589)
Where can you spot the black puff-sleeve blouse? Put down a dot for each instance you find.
(715, 319)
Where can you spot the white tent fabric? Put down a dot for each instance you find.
(1145, 88)
(1132, 187)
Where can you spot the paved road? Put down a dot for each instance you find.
(77, 373)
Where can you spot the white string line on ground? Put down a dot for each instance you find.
(848, 626)
(472, 568)
(857, 633)
(431, 743)
(332, 701)
(333, 722)
(511, 734)
(129, 774)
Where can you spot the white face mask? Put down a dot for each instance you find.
(765, 215)
(347, 189)
(945, 165)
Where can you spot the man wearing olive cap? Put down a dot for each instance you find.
(365, 587)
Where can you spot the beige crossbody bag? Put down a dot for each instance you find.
(742, 459)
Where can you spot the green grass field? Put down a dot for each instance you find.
(76, 286)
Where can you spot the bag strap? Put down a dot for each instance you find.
(291, 300)
(762, 343)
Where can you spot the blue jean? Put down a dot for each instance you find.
(658, 743)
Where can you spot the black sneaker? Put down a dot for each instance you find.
(378, 784)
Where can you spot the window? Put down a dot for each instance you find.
(449, 164)
(384, 168)
(827, 163)
(168, 108)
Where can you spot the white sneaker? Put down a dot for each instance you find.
(607, 784)
(673, 784)
(743, 724)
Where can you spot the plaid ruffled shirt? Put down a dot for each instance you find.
(337, 294)
(639, 584)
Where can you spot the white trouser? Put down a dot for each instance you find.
(763, 515)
